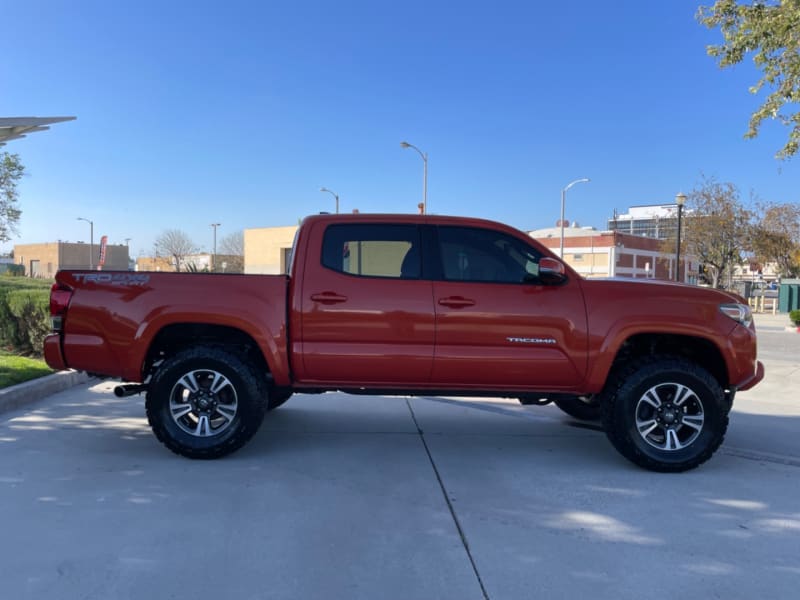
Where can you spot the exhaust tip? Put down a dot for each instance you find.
(129, 390)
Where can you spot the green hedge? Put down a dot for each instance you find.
(24, 314)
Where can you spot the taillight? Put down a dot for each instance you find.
(60, 295)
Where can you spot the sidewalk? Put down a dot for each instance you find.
(768, 321)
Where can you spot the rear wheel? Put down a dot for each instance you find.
(205, 402)
(667, 414)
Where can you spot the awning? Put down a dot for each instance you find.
(13, 128)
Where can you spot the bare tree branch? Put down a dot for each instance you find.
(176, 244)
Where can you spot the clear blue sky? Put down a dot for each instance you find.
(237, 112)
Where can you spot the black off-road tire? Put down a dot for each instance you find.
(575, 407)
(664, 374)
(277, 398)
(243, 388)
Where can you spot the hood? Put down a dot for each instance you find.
(659, 287)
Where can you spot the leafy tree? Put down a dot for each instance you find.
(717, 228)
(11, 171)
(176, 244)
(769, 30)
(232, 246)
(775, 237)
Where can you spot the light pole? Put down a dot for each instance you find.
(128, 250)
(563, 200)
(424, 156)
(214, 261)
(334, 194)
(680, 200)
(91, 241)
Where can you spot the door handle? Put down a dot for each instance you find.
(328, 298)
(456, 302)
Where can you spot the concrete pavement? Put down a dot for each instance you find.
(383, 497)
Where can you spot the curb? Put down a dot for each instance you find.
(31, 391)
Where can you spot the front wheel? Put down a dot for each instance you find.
(205, 402)
(667, 414)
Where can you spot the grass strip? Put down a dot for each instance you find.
(16, 369)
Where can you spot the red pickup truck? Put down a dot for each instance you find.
(413, 304)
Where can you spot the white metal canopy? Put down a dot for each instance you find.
(13, 128)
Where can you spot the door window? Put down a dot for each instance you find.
(473, 254)
(373, 250)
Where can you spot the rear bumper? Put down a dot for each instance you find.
(52, 352)
(753, 381)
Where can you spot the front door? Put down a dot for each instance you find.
(497, 326)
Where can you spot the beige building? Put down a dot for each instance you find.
(154, 263)
(268, 250)
(44, 260)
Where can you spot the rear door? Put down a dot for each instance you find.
(497, 326)
(366, 311)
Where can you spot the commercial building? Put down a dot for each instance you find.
(595, 253)
(659, 221)
(44, 260)
(268, 250)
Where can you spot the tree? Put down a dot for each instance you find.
(232, 246)
(768, 29)
(176, 244)
(776, 237)
(11, 171)
(717, 228)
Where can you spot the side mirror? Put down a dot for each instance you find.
(552, 271)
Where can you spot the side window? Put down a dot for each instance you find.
(472, 254)
(373, 250)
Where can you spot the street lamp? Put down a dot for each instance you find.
(214, 261)
(91, 241)
(680, 200)
(335, 195)
(563, 199)
(424, 156)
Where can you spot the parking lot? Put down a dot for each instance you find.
(386, 497)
